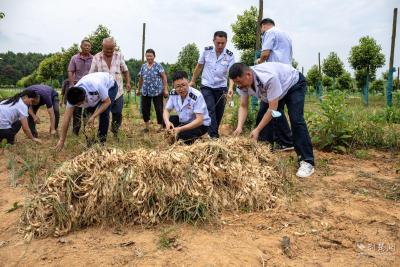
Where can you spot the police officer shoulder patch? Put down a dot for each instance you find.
(209, 48)
(173, 92)
(193, 96)
(229, 52)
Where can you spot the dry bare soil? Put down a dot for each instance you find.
(346, 214)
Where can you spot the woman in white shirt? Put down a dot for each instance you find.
(12, 110)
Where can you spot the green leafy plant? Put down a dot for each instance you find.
(332, 130)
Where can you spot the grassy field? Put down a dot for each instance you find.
(341, 122)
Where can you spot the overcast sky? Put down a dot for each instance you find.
(314, 25)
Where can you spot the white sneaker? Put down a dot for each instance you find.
(305, 170)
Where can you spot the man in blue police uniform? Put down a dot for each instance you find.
(216, 62)
(276, 47)
(96, 93)
(192, 120)
(276, 84)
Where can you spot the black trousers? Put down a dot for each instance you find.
(280, 131)
(78, 118)
(188, 136)
(56, 108)
(215, 99)
(158, 106)
(294, 100)
(9, 134)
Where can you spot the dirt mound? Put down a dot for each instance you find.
(183, 183)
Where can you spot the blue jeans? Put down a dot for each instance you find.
(215, 99)
(294, 100)
(104, 119)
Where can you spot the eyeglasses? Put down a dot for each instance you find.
(180, 86)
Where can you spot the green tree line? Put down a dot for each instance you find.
(14, 66)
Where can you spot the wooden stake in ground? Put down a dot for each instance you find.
(254, 101)
(143, 41)
(260, 17)
(143, 46)
(319, 83)
(389, 87)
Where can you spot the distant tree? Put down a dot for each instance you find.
(29, 80)
(167, 69)
(54, 67)
(66, 57)
(313, 76)
(244, 29)
(51, 68)
(9, 73)
(295, 64)
(385, 75)
(365, 58)
(15, 66)
(244, 34)
(333, 67)
(345, 82)
(247, 57)
(96, 38)
(134, 66)
(327, 82)
(188, 57)
(53, 83)
(2, 15)
(378, 86)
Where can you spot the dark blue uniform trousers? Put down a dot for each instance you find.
(215, 99)
(294, 100)
(104, 120)
(188, 136)
(281, 132)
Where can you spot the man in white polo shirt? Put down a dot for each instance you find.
(95, 92)
(276, 84)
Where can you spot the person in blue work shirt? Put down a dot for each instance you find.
(192, 120)
(276, 84)
(276, 47)
(96, 93)
(215, 63)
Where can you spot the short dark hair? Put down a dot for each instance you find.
(86, 40)
(75, 95)
(178, 75)
(151, 51)
(220, 34)
(267, 21)
(237, 70)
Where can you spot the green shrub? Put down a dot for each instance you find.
(332, 130)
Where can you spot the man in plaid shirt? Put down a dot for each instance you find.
(111, 61)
